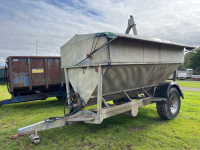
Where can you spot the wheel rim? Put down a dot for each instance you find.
(173, 103)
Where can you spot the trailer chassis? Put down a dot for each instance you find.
(93, 117)
(32, 97)
(130, 108)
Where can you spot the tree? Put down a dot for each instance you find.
(192, 60)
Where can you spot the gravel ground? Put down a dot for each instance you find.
(190, 89)
(188, 81)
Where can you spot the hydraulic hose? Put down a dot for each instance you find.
(96, 50)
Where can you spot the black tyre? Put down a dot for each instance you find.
(170, 109)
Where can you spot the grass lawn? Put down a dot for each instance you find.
(146, 131)
(189, 84)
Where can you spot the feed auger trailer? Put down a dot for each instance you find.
(107, 66)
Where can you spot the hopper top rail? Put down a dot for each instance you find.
(142, 38)
(34, 56)
(113, 36)
(113, 63)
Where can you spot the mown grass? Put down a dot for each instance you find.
(189, 84)
(146, 131)
(185, 80)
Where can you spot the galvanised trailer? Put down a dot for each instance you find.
(34, 78)
(121, 68)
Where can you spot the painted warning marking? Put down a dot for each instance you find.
(38, 70)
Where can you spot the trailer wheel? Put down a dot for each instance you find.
(169, 109)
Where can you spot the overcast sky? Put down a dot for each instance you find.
(54, 22)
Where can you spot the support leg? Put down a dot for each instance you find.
(67, 87)
(99, 95)
(174, 76)
(34, 138)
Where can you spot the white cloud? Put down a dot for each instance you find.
(52, 24)
(20, 14)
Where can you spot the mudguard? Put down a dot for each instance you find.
(162, 90)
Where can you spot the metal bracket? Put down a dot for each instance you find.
(97, 68)
(104, 101)
(127, 96)
(80, 118)
(154, 99)
(146, 92)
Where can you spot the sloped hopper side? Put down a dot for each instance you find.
(127, 64)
